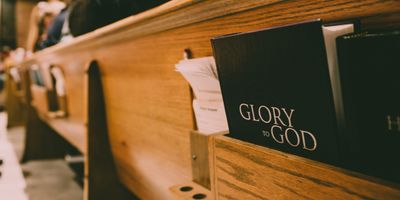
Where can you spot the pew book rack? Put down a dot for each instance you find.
(130, 113)
(241, 170)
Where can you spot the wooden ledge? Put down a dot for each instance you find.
(73, 132)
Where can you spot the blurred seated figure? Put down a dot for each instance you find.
(83, 16)
(54, 32)
(41, 17)
(89, 15)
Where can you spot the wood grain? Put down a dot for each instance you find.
(246, 171)
(71, 129)
(43, 100)
(199, 153)
(102, 181)
(41, 142)
(147, 103)
(175, 14)
(73, 132)
(14, 101)
(171, 15)
(148, 116)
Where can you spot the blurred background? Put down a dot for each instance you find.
(26, 27)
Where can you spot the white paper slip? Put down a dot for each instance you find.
(210, 117)
(201, 73)
(201, 83)
(204, 65)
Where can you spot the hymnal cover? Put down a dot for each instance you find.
(276, 89)
(369, 65)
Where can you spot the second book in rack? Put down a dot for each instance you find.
(369, 65)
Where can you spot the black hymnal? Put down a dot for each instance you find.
(369, 65)
(276, 89)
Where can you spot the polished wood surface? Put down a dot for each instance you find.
(43, 100)
(102, 181)
(199, 153)
(247, 171)
(14, 101)
(73, 132)
(147, 103)
(41, 141)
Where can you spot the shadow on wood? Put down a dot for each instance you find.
(102, 178)
(41, 141)
(14, 103)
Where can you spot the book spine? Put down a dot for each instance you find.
(217, 62)
(348, 134)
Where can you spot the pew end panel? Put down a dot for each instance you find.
(148, 115)
(15, 96)
(43, 100)
(41, 141)
(71, 128)
(101, 181)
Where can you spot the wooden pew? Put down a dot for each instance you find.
(147, 105)
(14, 99)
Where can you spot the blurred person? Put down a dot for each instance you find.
(41, 17)
(83, 16)
(89, 15)
(55, 30)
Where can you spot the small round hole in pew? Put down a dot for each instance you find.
(186, 189)
(199, 196)
(1, 161)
